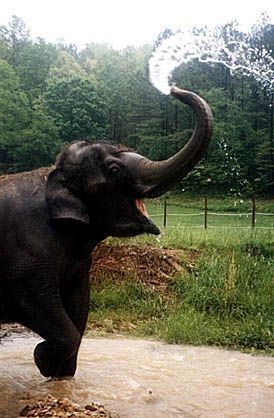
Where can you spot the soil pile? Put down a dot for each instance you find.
(153, 267)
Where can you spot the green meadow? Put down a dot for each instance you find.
(226, 297)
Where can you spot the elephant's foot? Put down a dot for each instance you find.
(68, 368)
(54, 361)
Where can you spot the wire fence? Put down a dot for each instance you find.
(180, 219)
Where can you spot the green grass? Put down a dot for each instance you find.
(225, 299)
(125, 306)
(259, 241)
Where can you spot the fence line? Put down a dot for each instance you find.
(212, 213)
(264, 214)
(253, 214)
(240, 214)
(178, 214)
(217, 226)
(231, 214)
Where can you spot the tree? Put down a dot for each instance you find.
(14, 112)
(15, 36)
(28, 137)
(65, 67)
(34, 63)
(38, 144)
(77, 108)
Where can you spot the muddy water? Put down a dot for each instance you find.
(145, 379)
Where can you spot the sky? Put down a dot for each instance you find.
(126, 22)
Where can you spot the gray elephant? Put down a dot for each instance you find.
(51, 220)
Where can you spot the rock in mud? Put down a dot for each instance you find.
(63, 407)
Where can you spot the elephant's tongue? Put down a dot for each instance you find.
(141, 207)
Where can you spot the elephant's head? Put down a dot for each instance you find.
(101, 185)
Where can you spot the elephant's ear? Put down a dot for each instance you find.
(62, 203)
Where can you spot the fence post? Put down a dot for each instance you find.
(165, 211)
(253, 219)
(206, 212)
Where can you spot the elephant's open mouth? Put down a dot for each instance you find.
(141, 207)
(150, 226)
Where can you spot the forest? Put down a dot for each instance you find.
(52, 94)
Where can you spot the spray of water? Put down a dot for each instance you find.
(232, 169)
(222, 45)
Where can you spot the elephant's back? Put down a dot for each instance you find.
(22, 206)
(29, 182)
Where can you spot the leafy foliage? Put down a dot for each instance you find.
(52, 94)
(14, 114)
(77, 108)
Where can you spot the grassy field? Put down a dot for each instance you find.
(225, 298)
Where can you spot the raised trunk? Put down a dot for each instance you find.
(156, 177)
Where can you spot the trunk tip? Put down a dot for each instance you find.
(173, 89)
(176, 92)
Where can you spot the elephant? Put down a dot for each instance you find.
(52, 218)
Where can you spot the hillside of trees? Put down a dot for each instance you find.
(51, 94)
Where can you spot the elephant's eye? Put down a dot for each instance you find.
(114, 170)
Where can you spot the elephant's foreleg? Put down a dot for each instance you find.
(49, 319)
(77, 307)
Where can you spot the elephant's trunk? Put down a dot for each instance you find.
(156, 177)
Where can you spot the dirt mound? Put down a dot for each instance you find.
(53, 407)
(154, 267)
